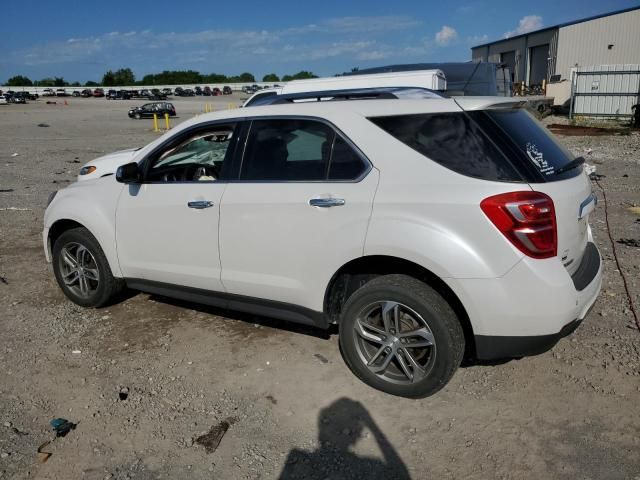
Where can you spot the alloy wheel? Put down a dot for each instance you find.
(394, 342)
(79, 269)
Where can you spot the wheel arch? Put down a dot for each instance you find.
(62, 225)
(355, 273)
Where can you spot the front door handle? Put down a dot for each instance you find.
(200, 204)
(326, 202)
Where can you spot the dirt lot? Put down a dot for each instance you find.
(295, 409)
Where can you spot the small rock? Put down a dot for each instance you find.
(4, 455)
(8, 424)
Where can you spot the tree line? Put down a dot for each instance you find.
(125, 76)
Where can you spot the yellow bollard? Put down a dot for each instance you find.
(166, 121)
(155, 123)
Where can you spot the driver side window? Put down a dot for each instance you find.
(198, 157)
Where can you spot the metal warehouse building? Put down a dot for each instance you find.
(552, 53)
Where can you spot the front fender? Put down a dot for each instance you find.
(92, 206)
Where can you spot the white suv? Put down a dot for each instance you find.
(425, 228)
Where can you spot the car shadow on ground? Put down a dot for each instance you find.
(340, 426)
(249, 318)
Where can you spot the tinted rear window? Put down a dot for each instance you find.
(534, 143)
(454, 141)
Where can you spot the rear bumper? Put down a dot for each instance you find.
(530, 309)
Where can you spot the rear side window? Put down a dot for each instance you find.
(533, 142)
(454, 141)
(298, 150)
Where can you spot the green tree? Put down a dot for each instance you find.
(45, 82)
(271, 77)
(75, 84)
(90, 83)
(247, 77)
(108, 79)
(124, 76)
(59, 82)
(301, 75)
(19, 81)
(215, 78)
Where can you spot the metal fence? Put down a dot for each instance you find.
(605, 91)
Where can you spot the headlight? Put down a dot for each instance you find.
(87, 170)
(52, 195)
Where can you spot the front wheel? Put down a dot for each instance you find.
(399, 335)
(82, 270)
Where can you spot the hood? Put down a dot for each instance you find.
(107, 164)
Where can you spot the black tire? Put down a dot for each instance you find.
(108, 287)
(443, 358)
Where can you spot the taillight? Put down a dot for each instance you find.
(527, 219)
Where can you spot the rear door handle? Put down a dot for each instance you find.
(200, 204)
(326, 202)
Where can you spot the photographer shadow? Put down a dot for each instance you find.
(340, 426)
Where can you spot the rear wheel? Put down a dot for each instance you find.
(399, 335)
(82, 270)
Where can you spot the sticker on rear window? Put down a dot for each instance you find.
(537, 158)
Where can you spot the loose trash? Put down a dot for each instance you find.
(43, 456)
(15, 154)
(76, 352)
(3, 280)
(6, 190)
(124, 393)
(589, 169)
(62, 426)
(44, 124)
(211, 440)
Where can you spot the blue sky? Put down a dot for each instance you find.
(80, 41)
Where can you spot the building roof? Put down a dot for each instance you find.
(560, 25)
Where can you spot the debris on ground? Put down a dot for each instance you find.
(3, 280)
(629, 242)
(212, 439)
(123, 394)
(6, 190)
(322, 358)
(62, 426)
(15, 154)
(44, 124)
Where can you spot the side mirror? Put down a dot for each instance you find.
(129, 173)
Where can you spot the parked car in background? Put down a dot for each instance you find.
(188, 92)
(216, 91)
(48, 92)
(86, 93)
(206, 91)
(178, 91)
(98, 92)
(3, 100)
(75, 93)
(17, 98)
(226, 90)
(156, 94)
(167, 91)
(197, 90)
(149, 109)
(61, 92)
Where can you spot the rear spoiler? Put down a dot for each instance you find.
(488, 103)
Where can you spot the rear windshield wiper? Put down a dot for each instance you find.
(575, 163)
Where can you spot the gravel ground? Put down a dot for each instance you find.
(145, 378)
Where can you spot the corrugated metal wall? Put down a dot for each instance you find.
(606, 90)
(521, 46)
(588, 43)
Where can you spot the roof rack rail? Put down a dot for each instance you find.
(378, 93)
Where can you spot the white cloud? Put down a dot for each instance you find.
(477, 39)
(527, 24)
(446, 35)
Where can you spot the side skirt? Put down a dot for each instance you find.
(241, 303)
